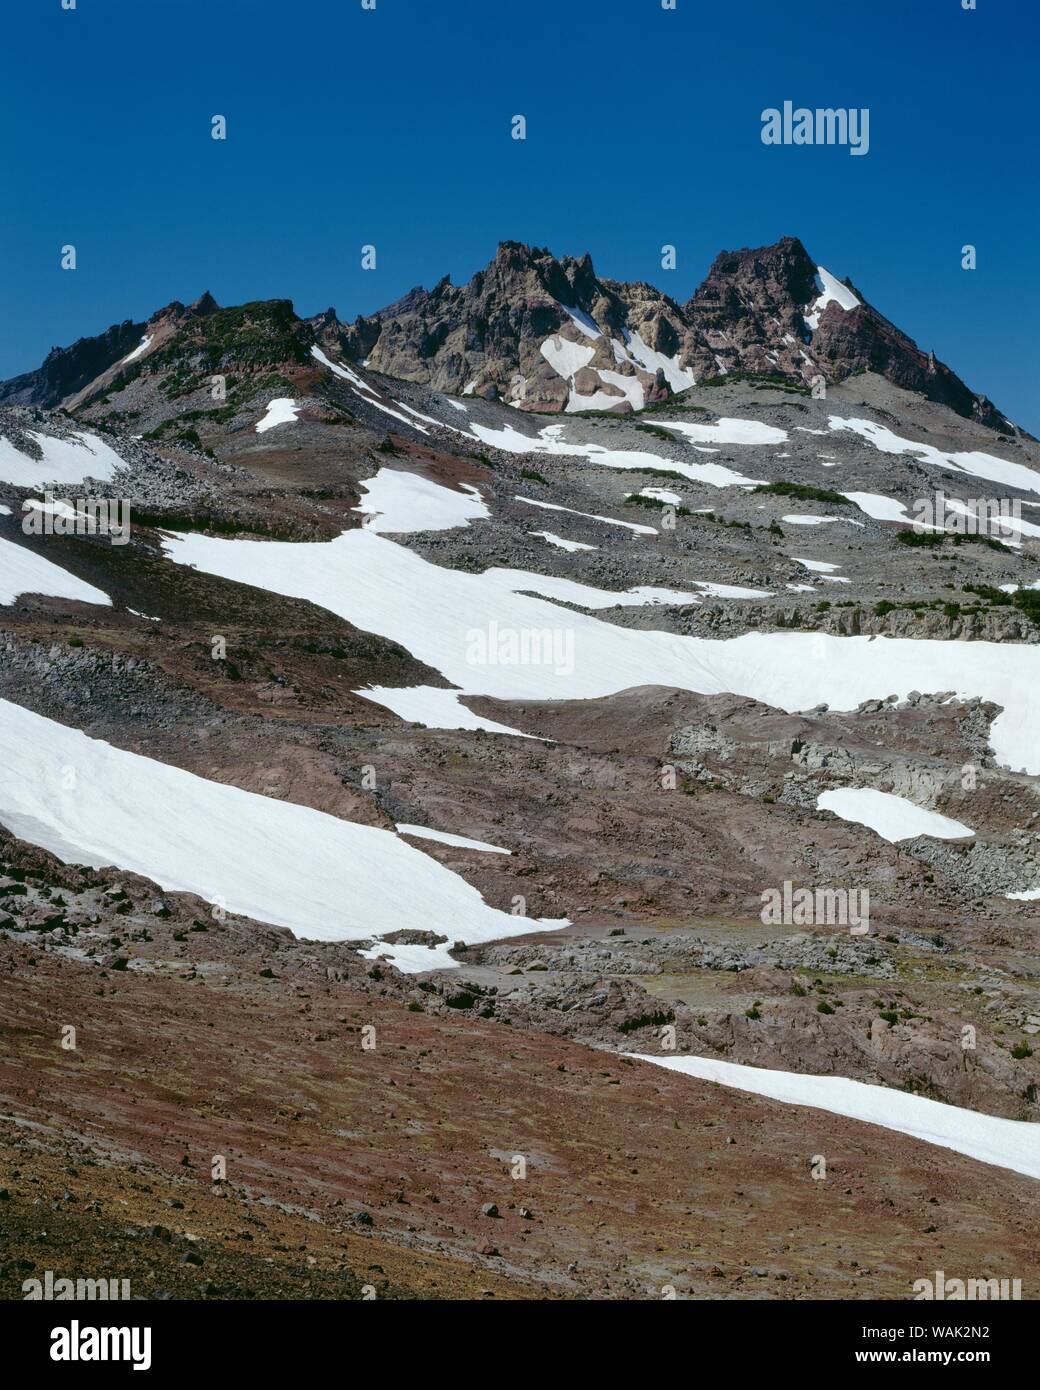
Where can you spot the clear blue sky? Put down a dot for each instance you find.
(393, 127)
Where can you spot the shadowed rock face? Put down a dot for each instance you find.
(546, 335)
(749, 309)
(68, 372)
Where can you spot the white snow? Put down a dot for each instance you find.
(279, 412)
(800, 588)
(384, 588)
(64, 460)
(324, 878)
(25, 571)
(141, 347)
(601, 400)
(590, 516)
(366, 393)
(730, 590)
(55, 508)
(678, 378)
(411, 959)
(457, 405)
(561, 542)
(979, 465)
(423, 832)
(830, 288)
(817, 566)
(341, 371)
(894, 818)
(402, 502)
(396, 414)
(726, 431)
(1013, 1144)
(550, 441)
(809, 520)
(430, 420)
(582, 320)
(4, 511)
(565, 357)
(881, 508)
(585, 595)
(998, 527)
(434, 707)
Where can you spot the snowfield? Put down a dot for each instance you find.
(584, 595)
(1013, 1144)
(726, 431)
(322, 877)
(894, 818)
(549, 440)
(400, 502)
(976, 463)
(434, 707)
(383, 588)
(64, 460)
(24, 571)
(279, 412)
(830, 288)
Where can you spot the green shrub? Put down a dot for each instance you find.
(804, 491)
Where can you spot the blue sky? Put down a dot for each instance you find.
(392, 127)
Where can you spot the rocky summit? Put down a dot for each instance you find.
(542, 781)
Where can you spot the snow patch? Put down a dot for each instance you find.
(322, 877)
(976, 463)
(559, 541)
(64, 460)
(894, 818)
(141, 347)
(590, 516)
(727, 431)
(444, 837)
(24, 571)
(279, 412)
(1013, 1144)
(402, 502)
(830, 288)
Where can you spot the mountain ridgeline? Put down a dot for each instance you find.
(539, 333)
